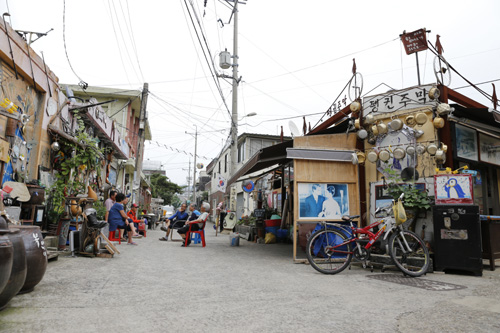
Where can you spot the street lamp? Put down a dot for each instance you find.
(251, 114)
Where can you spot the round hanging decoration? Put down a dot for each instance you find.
(248, 186)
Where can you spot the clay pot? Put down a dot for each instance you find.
(36, 256)
(19, 269)
(6, 259)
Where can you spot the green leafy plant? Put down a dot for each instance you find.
(100, 209)
(75, 163)
(414, 198)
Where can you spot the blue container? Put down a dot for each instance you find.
(273, 230)
(282, 233)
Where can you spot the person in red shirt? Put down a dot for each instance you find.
(132, 214)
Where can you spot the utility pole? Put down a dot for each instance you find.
(188, 178)
(194, 164)
(234, 113)
(140, 137)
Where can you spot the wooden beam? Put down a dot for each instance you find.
(464, 100)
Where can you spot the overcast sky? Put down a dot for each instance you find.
(295, 57)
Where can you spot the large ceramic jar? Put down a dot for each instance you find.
(6, 255)
(36, 256)
(18, 273)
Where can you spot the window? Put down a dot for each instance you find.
(219, 167)
(241, 153)
(225, 163)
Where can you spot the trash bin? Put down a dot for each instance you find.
(457, 238)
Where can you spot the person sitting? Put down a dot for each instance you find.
(195, 224)
(117, 218)
(193, 213)
(180, 218)
(132, 215)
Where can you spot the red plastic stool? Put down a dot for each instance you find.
(112, 236)
(142, 227)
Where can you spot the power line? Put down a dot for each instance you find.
(82, 83)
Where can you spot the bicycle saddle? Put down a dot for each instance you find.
(350, 217)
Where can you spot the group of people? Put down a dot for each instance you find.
(118, 219)
(183, 221)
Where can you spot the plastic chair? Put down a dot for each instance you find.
(142, 228)
(200, 232)
(177, 224)
(112, 236)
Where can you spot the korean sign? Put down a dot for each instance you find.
(415, 41)
(397, 100)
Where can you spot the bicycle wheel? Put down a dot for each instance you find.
(409, 253)
(324, 256)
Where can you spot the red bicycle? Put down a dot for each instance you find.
(332, 246)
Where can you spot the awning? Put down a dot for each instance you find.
(481, 119)
(320, 154)
(260, 173)
(264, 158)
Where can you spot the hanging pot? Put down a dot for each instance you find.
(440, 156)
(372, 156)
(444, 147)
(432, 149)
(362, 134)
(434, 93)
(369, 119)
(361, 157)
(357, 124)
(410, 121)
(409, 174)
(354, 159)
(443, 109)
(375, 130)
(396, 124)
(372, 140)
(410, 150)
(438, 122)
(418, 133)
(399, 153)
(420, 149)
(420, 118)
(355, 106)
(384, 155)
(382, 128)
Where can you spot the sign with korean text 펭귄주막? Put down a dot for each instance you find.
(397, 100)
(414, 41)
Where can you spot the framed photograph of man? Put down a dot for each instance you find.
(322, 201)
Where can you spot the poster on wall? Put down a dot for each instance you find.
(323, 201)
(466, 139)
(490, 149)
(453, 189)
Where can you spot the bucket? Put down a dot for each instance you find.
(273, 223)
(273, 230)
(234, 239)
(282, 233)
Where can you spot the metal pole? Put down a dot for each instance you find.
(194, 166)
(234, 114)
(418, 68)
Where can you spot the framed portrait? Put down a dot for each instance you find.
(490, 149)
(453, 189)
(323, 201)
(466, 139)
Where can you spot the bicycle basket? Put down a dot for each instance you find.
(399, 212)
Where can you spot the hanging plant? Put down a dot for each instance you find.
(74, 163)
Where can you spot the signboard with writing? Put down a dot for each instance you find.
(415, 41)
(397, 100)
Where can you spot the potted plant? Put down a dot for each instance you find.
(415, 201)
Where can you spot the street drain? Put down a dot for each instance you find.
(417, 282)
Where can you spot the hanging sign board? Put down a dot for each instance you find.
(415, 41)
(397, 100)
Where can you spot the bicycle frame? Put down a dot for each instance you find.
(388, 225)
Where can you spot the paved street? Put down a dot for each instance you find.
(161, 287)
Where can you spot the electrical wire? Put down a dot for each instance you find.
(65, 48)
